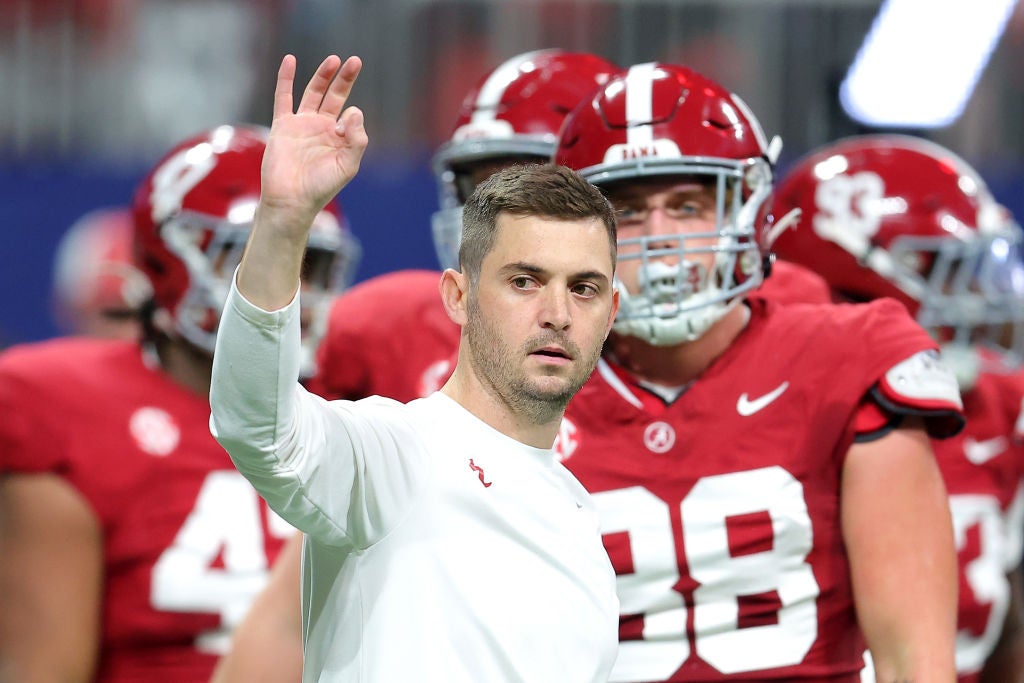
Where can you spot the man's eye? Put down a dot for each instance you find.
(521, 282)
(685, 208)
(585, 290)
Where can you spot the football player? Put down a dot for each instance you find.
(131, 546)
(389, 335)
(767, 491)
(97, 289)
(900, 217)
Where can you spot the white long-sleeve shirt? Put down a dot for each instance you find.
(437, 549)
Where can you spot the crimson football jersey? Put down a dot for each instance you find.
(983, 468)
(388, 336)
(187, 541)
(720, 511)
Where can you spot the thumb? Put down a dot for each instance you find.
(350, 126)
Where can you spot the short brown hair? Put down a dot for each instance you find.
(545, 190)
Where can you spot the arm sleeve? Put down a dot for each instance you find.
(332, 470)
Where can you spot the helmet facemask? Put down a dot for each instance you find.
(210, 250)
(971, 294)
(686, 282)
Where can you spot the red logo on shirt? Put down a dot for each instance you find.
(479, 470)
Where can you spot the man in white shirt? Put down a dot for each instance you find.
(444, 540)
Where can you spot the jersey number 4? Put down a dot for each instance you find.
(226, 523)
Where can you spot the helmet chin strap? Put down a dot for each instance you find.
(780, 226)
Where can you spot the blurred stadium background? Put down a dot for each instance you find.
(92, 91)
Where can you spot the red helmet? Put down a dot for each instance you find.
(513, 114)
(193, 213)
(898, 216)
(666, 120)
(94, 276)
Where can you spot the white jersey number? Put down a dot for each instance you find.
(723, 579)
(226, 522)
(978, 527)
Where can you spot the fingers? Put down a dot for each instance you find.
(326, 92)
(340, 88)
(318, 85)
(285, 83)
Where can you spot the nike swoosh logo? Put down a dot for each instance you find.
(747, 406)
(980, 452)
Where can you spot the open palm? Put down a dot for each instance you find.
(314, 151)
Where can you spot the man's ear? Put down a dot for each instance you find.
(614, 311)
(454, 287)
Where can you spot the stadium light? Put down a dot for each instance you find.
(920, 61)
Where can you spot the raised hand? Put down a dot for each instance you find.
(315, 151)
(312, 153)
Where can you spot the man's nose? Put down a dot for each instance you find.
(555, 312)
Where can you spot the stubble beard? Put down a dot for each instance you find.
(499, 367)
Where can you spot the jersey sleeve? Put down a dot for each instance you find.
(27, 445)
(904, 374)
(343, 472)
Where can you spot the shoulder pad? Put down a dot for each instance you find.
(922, 381)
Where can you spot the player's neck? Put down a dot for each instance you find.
(682, 363)
(188, 366)
(469, 391)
